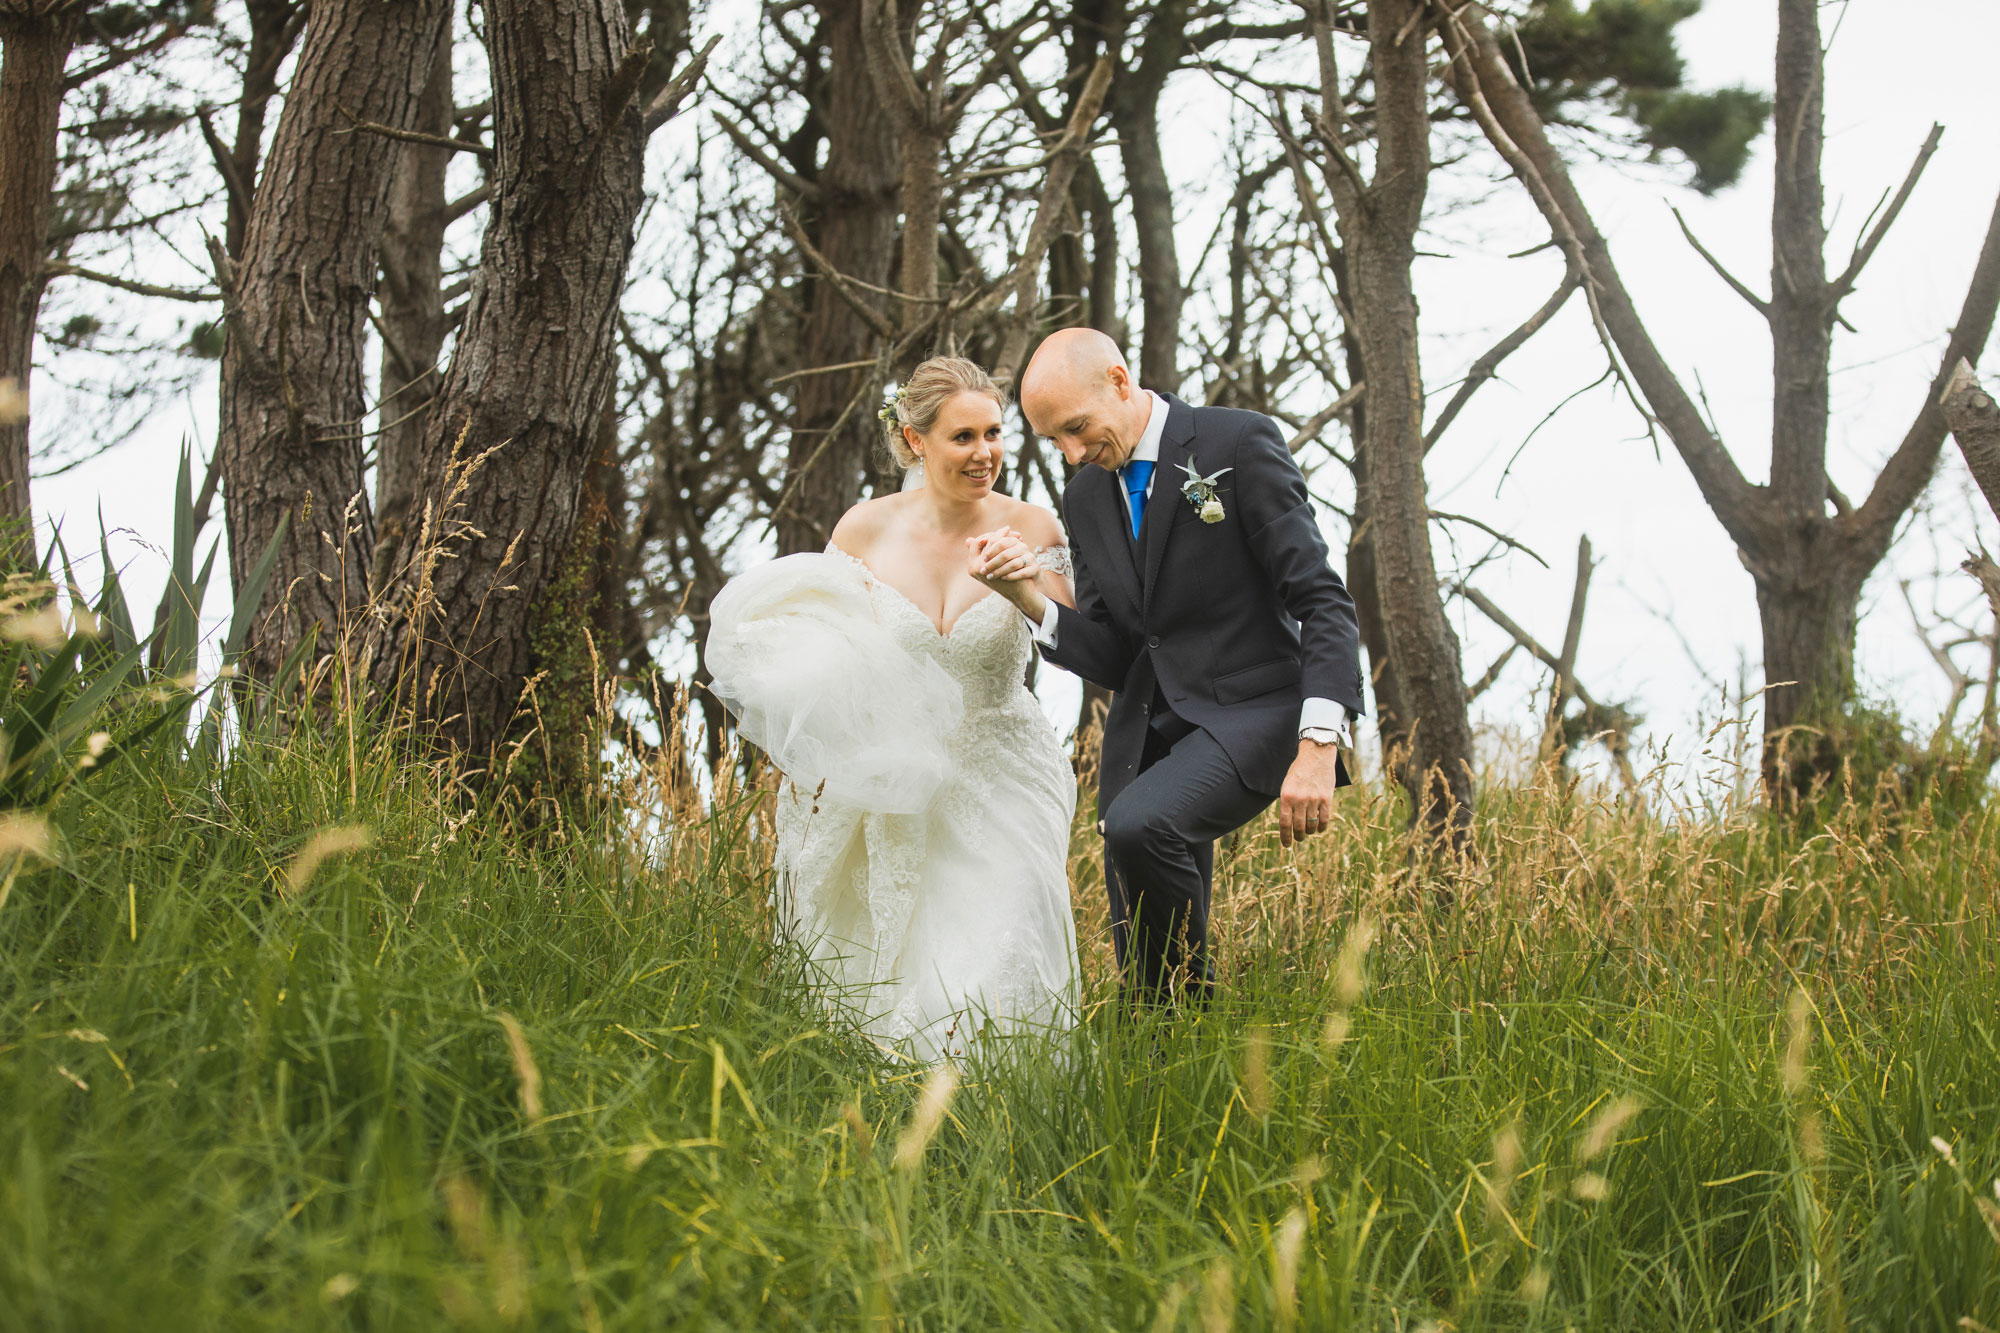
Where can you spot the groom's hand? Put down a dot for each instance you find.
(1305, 803)
(1001, 555)
(1001, 560)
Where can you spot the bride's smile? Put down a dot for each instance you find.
(961, 452)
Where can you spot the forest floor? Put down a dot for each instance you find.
(294, 1045)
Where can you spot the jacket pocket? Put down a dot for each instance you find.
(1250, 682)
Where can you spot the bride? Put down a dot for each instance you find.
(923, 827)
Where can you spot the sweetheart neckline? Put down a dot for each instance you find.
(909, 601)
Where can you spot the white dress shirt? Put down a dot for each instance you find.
(1316, 714)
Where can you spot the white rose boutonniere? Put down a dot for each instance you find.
(1200, 492)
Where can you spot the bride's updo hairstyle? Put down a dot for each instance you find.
(925, 392)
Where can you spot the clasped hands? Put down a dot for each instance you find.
(1002, 560)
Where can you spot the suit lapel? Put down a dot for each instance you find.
(1118, 569)
(1164, 506)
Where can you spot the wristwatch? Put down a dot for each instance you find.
(1323, 736)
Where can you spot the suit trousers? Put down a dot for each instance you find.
(1159, 855)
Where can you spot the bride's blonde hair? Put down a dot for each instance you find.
(925, 392)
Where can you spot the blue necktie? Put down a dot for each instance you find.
(1136, 474)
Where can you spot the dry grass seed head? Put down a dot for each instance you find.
(25, 835)
(857, 1125)
(932, 1103)
(1218, 1298)
(1603, 1131)
(1286, 1247)
(1257, 1072)
(335, 841)
(1798, 1038)
(526, 1072)
(1506, 1166)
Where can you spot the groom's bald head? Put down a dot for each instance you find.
(1078, 391)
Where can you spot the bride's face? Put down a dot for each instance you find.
(961, 451)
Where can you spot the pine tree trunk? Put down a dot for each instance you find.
(515, 426)
(1135, 114)
(412, 313)
(856, 232)
(1392, 727)
(1378, 234)
(1806, 610)
(293, 384)
(31, 92)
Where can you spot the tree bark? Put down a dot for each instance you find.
(1975, 423)
(855, 230)
(1801, 308)
(924, 115)
(1378, 229)
(411, 302)
(1392, 718)
(515, 425)
(293, 382)
(38, 39)
(1135, 114)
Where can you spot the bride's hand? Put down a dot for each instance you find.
(1001, 557)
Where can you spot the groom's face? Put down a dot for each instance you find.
(1088, 420)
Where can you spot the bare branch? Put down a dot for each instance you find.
(127, 285)
(1488, 365)
(1573, 631)
(667, 104)
(1865, 250)
(1317, 421)
(1757, 303)
(232, 180)
(842, 284)
(1491, 674)
(1492, 532)
(1049, 210)
(466, 203)
(895, 81)
(1961, 684)
(1909, 469)
(777, 171)
(355, 125)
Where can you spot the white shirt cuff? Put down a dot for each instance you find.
(1318, 714)
(1045, 628)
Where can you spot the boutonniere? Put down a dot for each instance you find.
(1200, 492)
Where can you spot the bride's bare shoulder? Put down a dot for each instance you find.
(861, 526)
(1036, 523)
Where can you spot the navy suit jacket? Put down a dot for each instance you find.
(1236, 622)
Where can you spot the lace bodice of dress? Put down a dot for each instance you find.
(986, 651)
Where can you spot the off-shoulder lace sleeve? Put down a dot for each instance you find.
(1056, 560)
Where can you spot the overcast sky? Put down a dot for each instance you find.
(1672, 615)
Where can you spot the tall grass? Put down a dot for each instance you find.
(299, 1041)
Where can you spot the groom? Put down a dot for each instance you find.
(1206, 602)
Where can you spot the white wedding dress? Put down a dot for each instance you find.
(923, 827)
